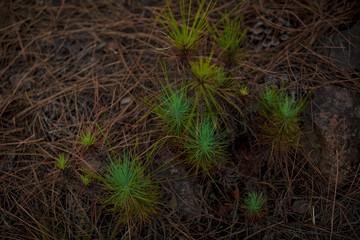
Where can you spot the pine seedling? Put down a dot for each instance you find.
(210, 85)
(221, 78)
(131, 193)
(174, 112)
(230, 38)
(205, 71)
(87, 139)
(205, 145)
(173, 108)
(254, 205)
(85, 179)
(289, 111)
(62, 162)
(186, 37)
(282, 116)
(244, 90)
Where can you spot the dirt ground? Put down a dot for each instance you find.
(66, 66)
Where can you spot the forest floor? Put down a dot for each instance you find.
(66, 66)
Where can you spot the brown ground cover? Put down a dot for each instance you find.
(67, 65)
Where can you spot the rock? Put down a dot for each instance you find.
(182, 187)
(334, 138)
(93, 160)
(347, 48)
(125, 100)
(301, 206)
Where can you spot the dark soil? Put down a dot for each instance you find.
(67, 65)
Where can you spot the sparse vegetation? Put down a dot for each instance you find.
(281, 114)
(81, 63)
(230, 38)
(206, 146)
(173, 108)
(254, 205)
(87, 139)
(62, 162)
(132, 195)
(85, 179)
(186, 37)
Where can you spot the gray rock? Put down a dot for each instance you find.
(334, 139)
(181, 186)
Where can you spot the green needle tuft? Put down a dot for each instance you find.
(62, 162)
(206, 146)
(131, 193)
(254, 205)
(87, 139)
(186, 37)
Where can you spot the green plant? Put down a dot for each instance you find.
(281, 113)
(254, 205)
(204, 71)
(221, 78)
(131, 193)
(85, 179)
(186, 37)
(230, 38)
(87, 139)
(210, 86)
(205, 146)
(173, 108)
(62, 162)
(244, 90)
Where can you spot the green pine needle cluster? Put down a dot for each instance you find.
(62, 162)
(230, 38)
(208, 83)
(188, 35)
(86, 179)
(194, 110)
(205, 146)
(254, 205)
(87, 139)
(212, 87)
(132, 195)
(204, 71)
(197, 134)
(281, 113)
(173, 108)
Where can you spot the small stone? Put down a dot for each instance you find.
(258, 24)
(126, 100)
(257, 31)
(301, 206)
